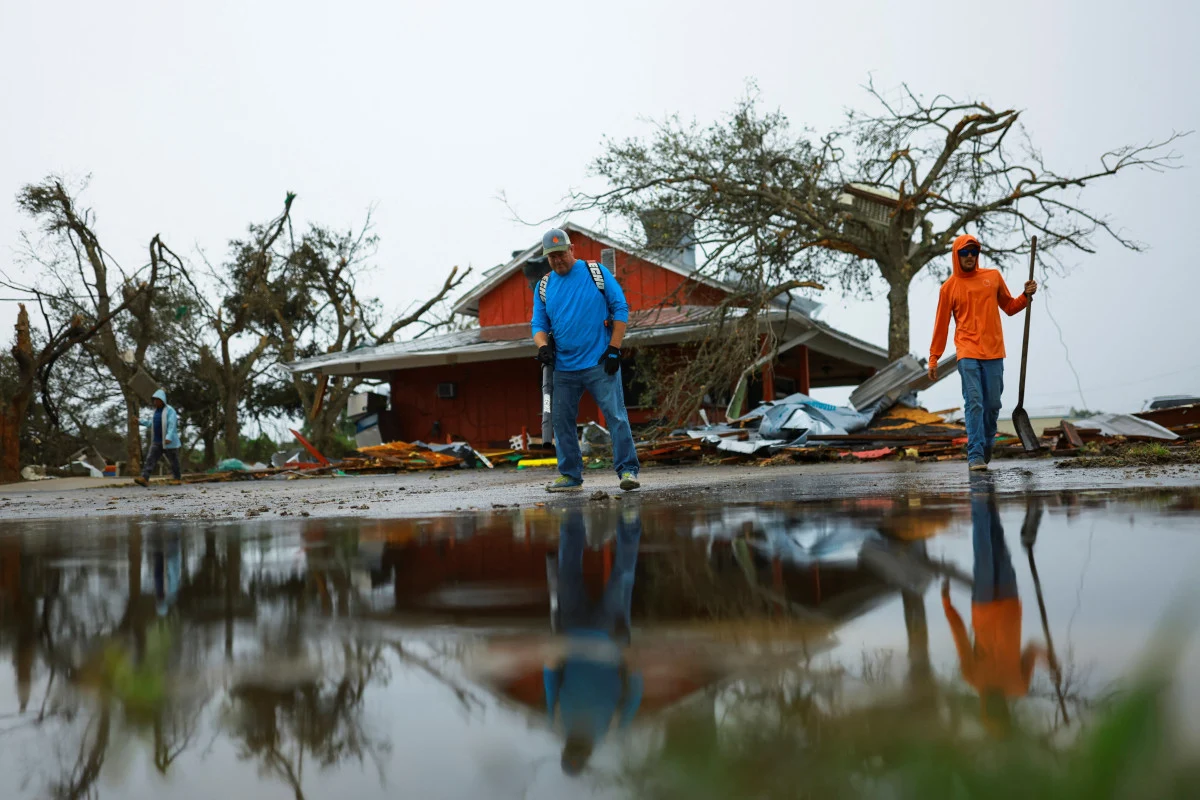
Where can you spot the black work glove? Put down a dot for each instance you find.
(546, 355)
(611, 360)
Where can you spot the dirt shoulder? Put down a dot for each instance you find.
(412, 494)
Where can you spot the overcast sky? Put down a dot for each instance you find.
(194, 120)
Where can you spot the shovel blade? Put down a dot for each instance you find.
(1029, 440)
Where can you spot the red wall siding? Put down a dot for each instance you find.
(509, 303)
(495, 399)
(645, 285)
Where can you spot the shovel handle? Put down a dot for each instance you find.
(1055, 671)
(1025, 341)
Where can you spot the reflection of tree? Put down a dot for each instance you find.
(319, 718)
(436, 668)
(79, 781)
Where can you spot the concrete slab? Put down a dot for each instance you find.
(414, 494)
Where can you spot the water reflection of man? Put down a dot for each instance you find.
(994, 664)
(166, 562)
(591, 685)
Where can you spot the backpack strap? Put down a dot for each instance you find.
(598, 279)
(542, 287)
(597, 275)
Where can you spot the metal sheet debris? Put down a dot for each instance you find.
(754, 446)
(1125, 425)
(903, 376)
(787, 420)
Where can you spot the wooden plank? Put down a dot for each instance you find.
(1072, 434)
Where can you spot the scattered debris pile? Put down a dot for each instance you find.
(1107, 429)
(1157, 437)
(1183, 421)
(1133, 455)
(395, 456)
(799, 428)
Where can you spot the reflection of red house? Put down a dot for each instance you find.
(482, 385)
(488, 572)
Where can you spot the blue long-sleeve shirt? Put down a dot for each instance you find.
(588, 694)
(575, 312)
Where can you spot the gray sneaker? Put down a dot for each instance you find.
(629, 481)
(977, 466)
(564, 484)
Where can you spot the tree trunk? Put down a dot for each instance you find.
(210, 450)
(322, 429)
(898, 346)
(326, 421)
(133, 431)
(233, 431)
(12, 417)
(12, 412)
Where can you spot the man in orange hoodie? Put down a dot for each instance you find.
(974, 297)
(994, 664)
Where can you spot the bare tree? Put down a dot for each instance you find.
(315, 306)
(32, 368)
(240, 311)
(709, 368)
(82, 281)
(885, 194)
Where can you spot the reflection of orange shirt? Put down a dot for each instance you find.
(996, 660)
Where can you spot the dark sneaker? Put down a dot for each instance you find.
(564, 484)
(977, 466)
(140, 481)
(629, 481)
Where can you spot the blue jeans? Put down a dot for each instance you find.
(612, 613)
(606, 389)
(982, 385)
(157, 451)
(995, 578)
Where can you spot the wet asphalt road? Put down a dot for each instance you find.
(411, 494)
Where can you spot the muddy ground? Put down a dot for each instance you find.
(409, 494)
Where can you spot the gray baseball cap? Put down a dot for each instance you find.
(555, 241)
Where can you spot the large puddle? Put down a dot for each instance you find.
(630, 647)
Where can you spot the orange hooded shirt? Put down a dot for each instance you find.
(974, 299)
(995, 660)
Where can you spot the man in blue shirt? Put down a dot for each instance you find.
(588, 324)
(593, 684)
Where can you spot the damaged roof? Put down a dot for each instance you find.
(652, 326)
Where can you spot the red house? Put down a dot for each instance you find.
(482, 385)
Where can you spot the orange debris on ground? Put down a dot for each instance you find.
(869, 455)
(398, 455)
(913, 416)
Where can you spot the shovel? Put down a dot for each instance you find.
(1029, 531)
(1020, 417)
